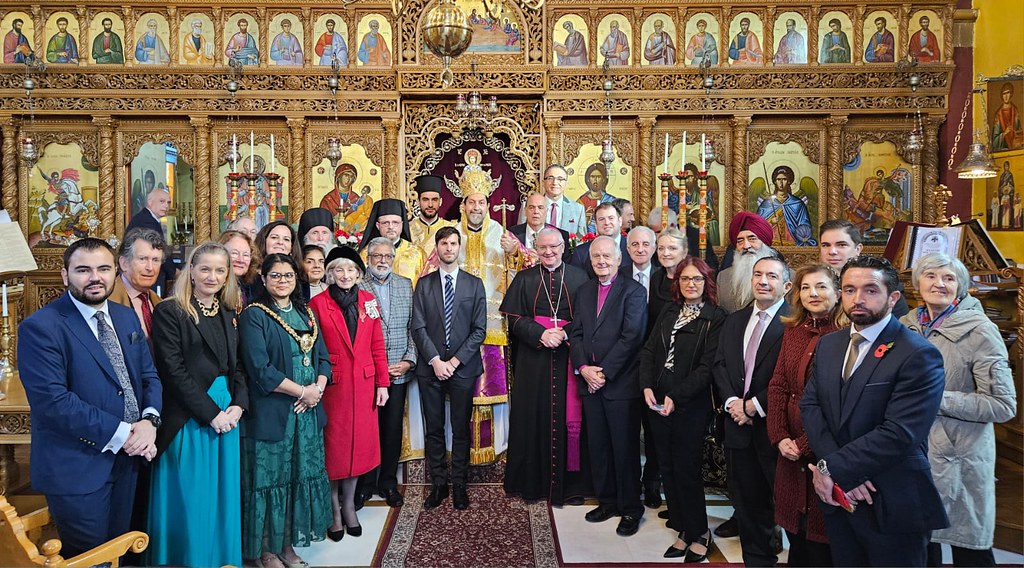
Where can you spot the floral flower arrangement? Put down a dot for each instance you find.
(576, 240)
(348, 239)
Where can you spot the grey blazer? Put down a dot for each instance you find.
(396, 324)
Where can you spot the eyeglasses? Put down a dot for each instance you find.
(557, 179)
(379, 256)
(694, 279)
(285, 276)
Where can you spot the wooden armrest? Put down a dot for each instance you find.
(110, 551)
(36, 519)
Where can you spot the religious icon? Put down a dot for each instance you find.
(242, 46)
(784, 191)
(151, 45)
(791, 48)
(286, 47)
(373, 48)
(1003, 210)
(351, 206)
(573, 49)
(197, 42)
(745, 48)
(881, 44)
(615, 47)
(702, 45)
(106, 44)
(493, 31)
(1004, 95)
(62, 47)
(659, 49)
(885, 185)
(63, 198)
(834, 44)
(689, 193)
(17, 42)
(924, 43)
(330, 45)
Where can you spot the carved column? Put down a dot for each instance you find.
(84, 47)
(107, 193)
(858, 38)
(930, 165)
(10, 166)
(391, 188)
(129, 35)
(834, 179)
(298, 194)
(264, 31)
(739, 126)
(307, 39)
(218, 37)
(175, 26)
(553, 141)
(903, 42)
(40, 29)
(643, 200)
(203, 189)
(812, 36)
(768, 46)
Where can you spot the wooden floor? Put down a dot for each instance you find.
(1009, 506)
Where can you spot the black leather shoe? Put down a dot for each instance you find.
(673, 552)
(652, 496)
(663, 514)
(361, 497)
(575, 501)
(438, 494)
(354, 531)
(693, 557)
(728, 529)
(601, 514)
(460, 497)
(336, 536)
(628, 525)
(393, 497)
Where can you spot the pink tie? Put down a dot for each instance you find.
(554, 214)
(751, 353)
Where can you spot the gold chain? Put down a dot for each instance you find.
(959, 131)
(211, 312)
(305, 342)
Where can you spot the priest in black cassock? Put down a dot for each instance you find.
(547, 457)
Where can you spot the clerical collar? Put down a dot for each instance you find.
(476, 230)
(609, 282)
(553, 270)
(429, 223)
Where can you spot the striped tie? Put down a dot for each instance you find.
(449, 305)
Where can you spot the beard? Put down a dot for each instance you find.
(91, 298)
(870, 318)
(378, 274)
(734, 283)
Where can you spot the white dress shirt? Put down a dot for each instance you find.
(748, 332)
(870, 334)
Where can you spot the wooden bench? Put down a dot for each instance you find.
(17, 548)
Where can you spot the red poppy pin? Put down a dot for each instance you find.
(234, 322)
(882, 350)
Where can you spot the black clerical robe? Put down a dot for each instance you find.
(538, 463)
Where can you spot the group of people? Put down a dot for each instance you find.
(254, 409)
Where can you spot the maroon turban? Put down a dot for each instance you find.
(747, 221)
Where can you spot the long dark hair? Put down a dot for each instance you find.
(261, 239)
(296, 296)
(710, 288)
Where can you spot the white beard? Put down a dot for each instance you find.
(734, 288)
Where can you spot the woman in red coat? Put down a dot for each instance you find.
(350, 323)
(815, 309)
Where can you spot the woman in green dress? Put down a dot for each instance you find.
(286, 496)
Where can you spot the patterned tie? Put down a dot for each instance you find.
(851, 358)
(449, 305)
(147, 313)
(751, 354)
(554, 214)
(108, 339)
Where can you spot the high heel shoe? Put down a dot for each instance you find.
(354, 531)
(336, 536)
(673, 552)
(706, 541)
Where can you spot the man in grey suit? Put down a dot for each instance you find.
(562, 212)
(394, 296)
(449, 323)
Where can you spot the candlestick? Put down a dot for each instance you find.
(5, 301)
(252, 146)
(666, 152)
(703, 168)
(271, 153)
(682, 159)
(664, 177)
(234, 153)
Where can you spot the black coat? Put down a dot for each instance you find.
(695, 348)
(188, 361)
(519, 232)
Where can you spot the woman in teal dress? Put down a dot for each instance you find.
(195, 512)
(286, 496)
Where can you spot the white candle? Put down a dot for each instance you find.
(5, 301)
(234, 154)
(682, 159)
(666, 152)
(271, 153)
(702, 142)
(252, 146)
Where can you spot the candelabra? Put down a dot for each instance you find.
(473, 114)
(665, 178)
(234, 183)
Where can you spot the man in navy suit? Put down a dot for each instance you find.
(449, 323)
(744, 365)
(867, 409)
(609, 224)
(95, 398)
(604, 341)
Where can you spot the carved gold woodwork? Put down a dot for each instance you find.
(643, 187)
(834, 173)
(738, 197)
(207, 225)
(109, 198)
(9, 186)
(809, 140)
(297, 192)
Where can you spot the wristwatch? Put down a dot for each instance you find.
(823, 468)
(154, 419)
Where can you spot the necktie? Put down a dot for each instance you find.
(851, 358)
(751, 354)
(108, 339)
(642, 279)
(147, 313)
(449, 305)
(554, 214)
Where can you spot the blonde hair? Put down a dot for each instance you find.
(337, 263)
(228, 295)
(798, 313)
